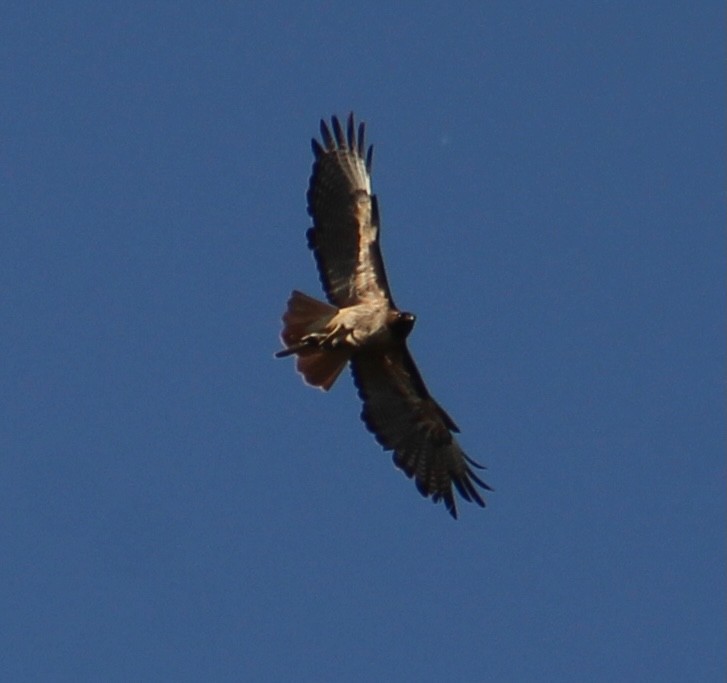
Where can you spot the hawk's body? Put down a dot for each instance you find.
(362, 325)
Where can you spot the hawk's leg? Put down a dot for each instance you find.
(328, 339)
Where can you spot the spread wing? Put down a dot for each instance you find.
(345, 232)
(406, 419)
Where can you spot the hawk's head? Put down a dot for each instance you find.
(402, 324)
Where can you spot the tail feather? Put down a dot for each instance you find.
(321, 368)
(304, 315)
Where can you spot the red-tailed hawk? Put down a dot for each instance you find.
(363, 326)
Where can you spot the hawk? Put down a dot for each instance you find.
(363, 327)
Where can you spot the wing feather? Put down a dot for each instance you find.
(404, 418)
(345, 233)
(351, 134)
(338, 132)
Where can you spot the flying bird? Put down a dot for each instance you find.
(362, 326)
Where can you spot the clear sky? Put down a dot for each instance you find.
(176, 505)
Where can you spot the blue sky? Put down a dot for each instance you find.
(175, 504)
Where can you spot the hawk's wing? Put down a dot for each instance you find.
(345, 232)
(406, 419)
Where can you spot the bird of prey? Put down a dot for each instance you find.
(363, 327)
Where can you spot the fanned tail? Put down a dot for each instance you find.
(321, 368)
(305, 315)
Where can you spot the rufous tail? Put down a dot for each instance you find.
(305, 315)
